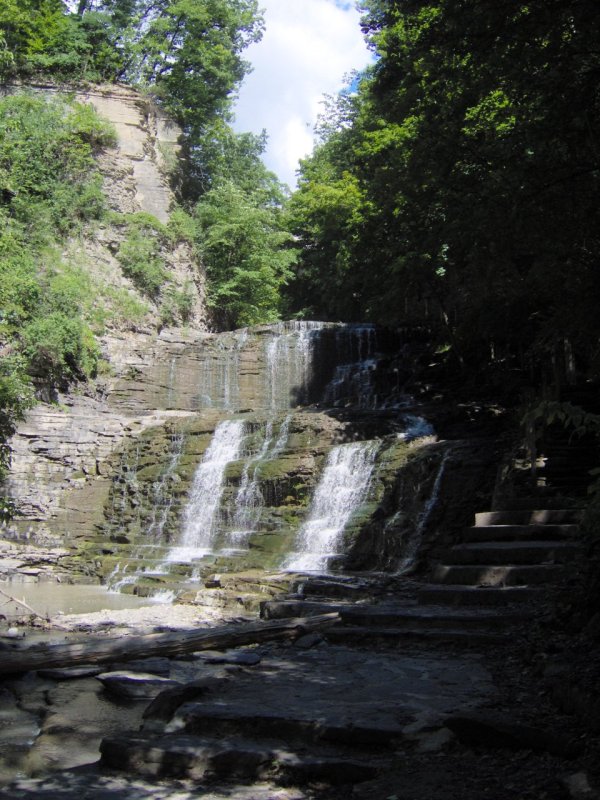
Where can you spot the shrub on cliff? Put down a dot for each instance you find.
(49, 187)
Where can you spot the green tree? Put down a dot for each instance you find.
(48, 187)
(247, 255)
(472, 147)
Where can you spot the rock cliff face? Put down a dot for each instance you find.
(114, 477)
(62, 446)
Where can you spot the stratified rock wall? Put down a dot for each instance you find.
(64, 448)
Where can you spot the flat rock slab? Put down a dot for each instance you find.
(135, 684)
(91, 783)
(493, 731)
(229, 758)
(71, 673)
(155, 666)
(344, 687)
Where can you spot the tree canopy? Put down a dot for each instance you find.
(460, 182)
(188, 52)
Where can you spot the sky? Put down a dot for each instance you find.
(307, 49)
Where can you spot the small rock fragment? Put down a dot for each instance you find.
(135, 684)
(309, 640)
(154, 666)
(578, 787)
(244, 658)
(71, 673)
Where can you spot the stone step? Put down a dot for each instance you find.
(425, 618)
(354, 635)
(511, 553)
(264, 723)
(541, 499)
(537, 516)
(234, 759)
(512, 533)
(286, 609)
(336, 588)
(476, 575)
(458, 595)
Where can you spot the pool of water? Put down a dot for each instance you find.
(49, 599)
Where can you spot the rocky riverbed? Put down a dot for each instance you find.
(324, 716)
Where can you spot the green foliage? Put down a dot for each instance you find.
(60, 348)
(176, 306)
(121, 307)
(247, 255)
(16, 396)
(140, 254)
(48, 188)
(47, 173)
(187, 52)
(181, 227)
(573, 418)
(470, 149)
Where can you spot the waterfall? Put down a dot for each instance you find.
(356, 365)
(220, 375)
(289, 361)
(249, 499)
(266, 376)
(202, 511)
(407, 563)
(341, 491)
(162, 498)
(416, 428)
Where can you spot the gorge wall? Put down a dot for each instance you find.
(108, 472)
(63, 444)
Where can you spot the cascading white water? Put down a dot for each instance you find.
(249, 499)
(220, 376)
(416, 428)
(270, 371)
(341, 491)
(201, 513)
(410, 555)
(289, 356)
(162, 498)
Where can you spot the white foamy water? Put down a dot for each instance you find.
(341, 491)
(201, 513)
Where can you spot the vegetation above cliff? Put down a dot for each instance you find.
(186, 57)
(189, 52)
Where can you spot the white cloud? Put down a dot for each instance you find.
(307, 49)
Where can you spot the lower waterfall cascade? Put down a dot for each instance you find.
(274, 463)
(200, 515)
(340, 492)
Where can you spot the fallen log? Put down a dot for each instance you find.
(103, 650)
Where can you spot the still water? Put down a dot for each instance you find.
(48, 599)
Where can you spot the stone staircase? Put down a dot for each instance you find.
(278, 728)
(507, 557)
(476, 595)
